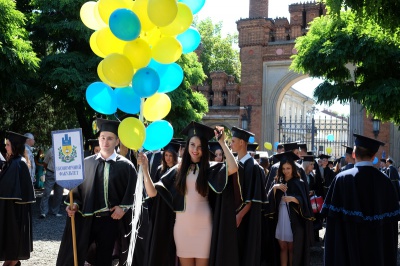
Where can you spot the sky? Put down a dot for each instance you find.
(230, 11)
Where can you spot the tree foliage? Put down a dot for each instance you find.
(216, 52)
(18, 61)
(385, 13)
(334, 45)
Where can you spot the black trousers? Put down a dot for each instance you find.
(103, 234)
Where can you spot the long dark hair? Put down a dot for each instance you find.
(280, 177)
(164, 165)
(17, 149)
(202, 178)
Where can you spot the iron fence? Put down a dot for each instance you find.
(322, 134)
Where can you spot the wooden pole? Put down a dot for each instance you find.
(71, 205)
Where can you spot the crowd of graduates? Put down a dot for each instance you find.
(210, 203)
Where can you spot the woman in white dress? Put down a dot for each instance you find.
(290, 207)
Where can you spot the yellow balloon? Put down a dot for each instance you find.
(132, 133)
(94, 46)
(98, 17)
(181, 23)
(87, 15)
(152, 36)
(108, 43)
(162, 12)
(167, 50)
(328, 150)
(106, 7)
(118, 70)
(140, 9)
(138, 52)
(101, 75)
(268, 145)
(156, 107)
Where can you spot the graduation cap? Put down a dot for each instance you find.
(213, 146)
(302, 146)
(370, 144)
(310, 153)
(349, 150)
(199, 130)
(389, 160)
(252, 147)
(324, 156)
(172, 147)
(92, 143)
(107, 125)
(279, 146)
(257, 156)
(15, 137)
(264, 159)
(308, 158)
(291, 146)
(241, 134)
(383, 160)
(286, 156)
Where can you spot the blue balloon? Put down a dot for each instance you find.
(171, 75)
(127, 100)
(194, 5)
(375, 161)
(276, 143)
(251, 139)
(101, 98)
(330, 137)
(124, 24)
(158, 135)
(145, 82)
(189, 40)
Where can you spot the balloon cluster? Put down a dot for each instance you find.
(139, 41)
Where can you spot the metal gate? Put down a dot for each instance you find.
(322, 134)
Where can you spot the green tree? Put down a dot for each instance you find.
(386, 13)
(216, 52)
(335, 43)
(68, 65)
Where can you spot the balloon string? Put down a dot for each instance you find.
(137, 202)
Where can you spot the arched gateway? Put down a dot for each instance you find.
(266, 46)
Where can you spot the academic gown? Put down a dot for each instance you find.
(161, 247)
(347, 167)
(252, 230)
(393, 175)
(16, 196)
(362, 212)
(301, 220)
(121, 189)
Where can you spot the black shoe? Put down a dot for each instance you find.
(42, 216)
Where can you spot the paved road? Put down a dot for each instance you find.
(47, 234)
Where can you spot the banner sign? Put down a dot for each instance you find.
(68, 157)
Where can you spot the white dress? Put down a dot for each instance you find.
(283, 229)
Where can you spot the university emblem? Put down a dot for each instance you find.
(67, 152)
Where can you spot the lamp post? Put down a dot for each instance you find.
(312, 113)
(376, 126)
(246, 117)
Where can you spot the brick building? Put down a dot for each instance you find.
(266, 46)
